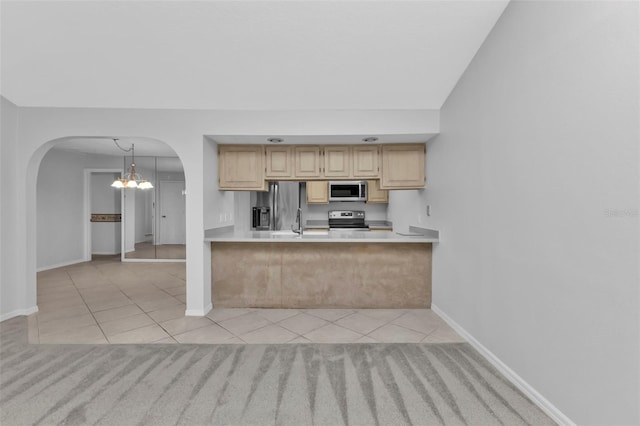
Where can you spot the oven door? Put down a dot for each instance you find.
(348, 191)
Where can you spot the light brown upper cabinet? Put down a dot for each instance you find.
(317, 192)
(279, 161)
(307, 162)
(249, 167)
(375, 194)
(403, 166)
(365, 161)
(337, 161)
(240, 167)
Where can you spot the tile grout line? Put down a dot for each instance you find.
(255, 329)
(234, 334)
(138, 328)
(397, 325)
(142, 310)
(89, 309)
(356, 331)
(313, 329)
(186, 331)
(417, 331)
(125, 295)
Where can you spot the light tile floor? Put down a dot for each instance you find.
(161, 251)
(106, 301)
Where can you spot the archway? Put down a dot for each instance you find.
(63, 225)
(59, 199)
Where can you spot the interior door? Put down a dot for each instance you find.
(172, 213)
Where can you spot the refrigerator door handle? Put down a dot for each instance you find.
(275, 205)
(255, 216)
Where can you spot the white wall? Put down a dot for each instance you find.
(60, 207)
(216, 202)
(242, 219)
(534, 183)
(13, 298)
(60, 204)
(407, 208)
(105, 236)
(185, 132)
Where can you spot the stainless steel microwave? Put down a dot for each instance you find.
(348, 190)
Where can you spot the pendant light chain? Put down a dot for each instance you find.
(115, 140)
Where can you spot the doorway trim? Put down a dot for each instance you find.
(87, 207)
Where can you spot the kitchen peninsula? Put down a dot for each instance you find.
(278, 269)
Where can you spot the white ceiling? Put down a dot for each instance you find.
(106, 146)
(260, 55)
(144, 147)
(320, 139)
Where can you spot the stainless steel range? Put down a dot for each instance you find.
(347, 220)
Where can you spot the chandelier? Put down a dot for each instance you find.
(132, 179)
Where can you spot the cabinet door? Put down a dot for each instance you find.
(403, 166)
(375, 194)
(337, 161)
(307, 161)
(279, 162)
(240, 167)
(317, 192)
(365, 161)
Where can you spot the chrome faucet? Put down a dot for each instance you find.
(298, 222)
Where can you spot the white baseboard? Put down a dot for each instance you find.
(198, 312)
(105, 253)
(28, 311)
(60, 265)
(544, 404)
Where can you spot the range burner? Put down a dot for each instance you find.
(347, 220)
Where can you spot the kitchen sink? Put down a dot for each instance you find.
(284, 233)
(287, 233)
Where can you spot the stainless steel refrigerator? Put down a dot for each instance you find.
(276, 209)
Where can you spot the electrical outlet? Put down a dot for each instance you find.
(221, 217)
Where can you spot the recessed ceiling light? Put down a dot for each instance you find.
(275, 140)
(370, 139)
